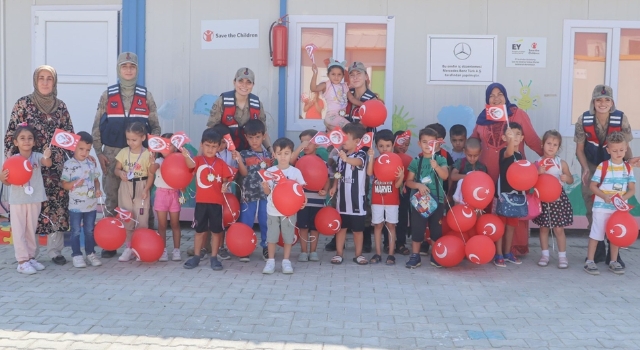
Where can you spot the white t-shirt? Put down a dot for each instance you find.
(159, 181)
(292, 173)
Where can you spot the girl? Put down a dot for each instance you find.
(559, 213)
(334, 91)
(132, 167)
(166, 202)
(26, 201)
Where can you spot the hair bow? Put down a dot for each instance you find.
(23, 124)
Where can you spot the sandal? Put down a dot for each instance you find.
(391, 260)
(375, 259)
(336, 260)
(361, 260)
(403, 250)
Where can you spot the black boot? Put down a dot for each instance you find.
(331, 246)
(601, 253)
(366, 241)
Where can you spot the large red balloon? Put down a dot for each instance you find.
(386, 166)
(461, 218)
(230, 209)
(548, 188)
(109, 233)
(480, 249)
(373, 113)
(314, 171)
(328, 221)
(406, 161)
(491, 226)
(478, 189)
(622, 229)
(241, 239)
(296, 237)
(20, 170)
(175, 171)
(448, 251)
(288, 197)
(522, 175)
(147, 244)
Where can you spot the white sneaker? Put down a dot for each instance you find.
(26, 268)
(175, 256)
(93, 260)
(269, 267)
(127, 255)
(286, 267)
(36, 265)
(78, 261)
(164, 256)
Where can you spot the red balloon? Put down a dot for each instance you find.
(328, 221)
(109, 233)
(314, 171)
(241, 239)
(548, 188)
(175, 171)
(491, 226)
(480, 249)
(230, 211)
(461, 218)
(478, 189)
(288, 197)
(20, 170)
(448, 251)
(406, 160)
(373, 113)
(622, 229)
(386, 166)
(147, 244)
(296, 237)
(522, 175)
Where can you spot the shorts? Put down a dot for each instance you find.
(166, 200)
(384, 213)
(355, 223)
(208, 217)
(307, 217)
(280, 224)
(599, 224)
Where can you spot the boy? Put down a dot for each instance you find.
(212, 174)
(81, 179)
(426, 175)
(457, 137)
(513, 135)
(349, 188)
(385, 199)
(276, 222)
(402, 228)
(469, 163)
(315, 200)
(617, 178)
(229, 158)
(250, 162)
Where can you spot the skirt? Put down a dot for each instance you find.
(556, 214)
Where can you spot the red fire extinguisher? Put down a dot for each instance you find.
(278, 43)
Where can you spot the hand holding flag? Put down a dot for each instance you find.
(230, 145)
(620, 203)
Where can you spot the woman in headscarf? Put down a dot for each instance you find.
(43, 111)
(490, 134)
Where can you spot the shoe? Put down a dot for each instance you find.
(265, 254)
(175, 256)
(164, 257)
(512, 259)
(331, 246)
(563, 263)
(366, 249)
(616, 268)
(223, 254)
(106, 254)
(544, 261)
(78, 261)
(499, 261)
(303, 257)
(435, 263)
(59, 260)
(414, 261)
(286, 267)
(269, 267)
(591, 268)
(190, 252)
(192, 263)
(313, 256)
(36, 265)
(203, 253)
(26, 268)
(424, 249)
(127, 255)
(608, 259)
(93, 260)
(216, 265)
(245, 258)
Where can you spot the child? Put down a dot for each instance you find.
(461, 167)
(166, 201)
(132, 167)
(212, 174)
(80, 178)
(611, 177)
(457, 137)
(278, 223)
(26, 201)
(402, 228)
(385, 199)
(225, 154)
(334, 91)
(426, 175)
(350, 189)
(559, 213)
(513, 135)
(315, 200)
(250, 162)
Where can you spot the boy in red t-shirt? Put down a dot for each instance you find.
(212, 175)
(385, 199)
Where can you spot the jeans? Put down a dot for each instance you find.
(88, 220)
(248, 214)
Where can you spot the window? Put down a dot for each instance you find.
(364, 38)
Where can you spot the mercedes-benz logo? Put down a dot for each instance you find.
(462, 51)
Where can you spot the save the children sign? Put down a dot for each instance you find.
(229, 34)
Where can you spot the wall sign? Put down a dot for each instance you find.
(229, 34)
(461, 59)
(526, 52)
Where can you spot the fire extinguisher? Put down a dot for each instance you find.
(278, 43)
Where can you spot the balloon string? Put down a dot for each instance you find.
(446, 199)
(231, 211)
(54, 226)
(294, 228)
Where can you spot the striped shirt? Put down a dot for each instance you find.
(615, 181)
(351, 186)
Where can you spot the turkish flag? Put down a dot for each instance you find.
(337, 136)
(179, 139)
(620, 203)
(274, 176)
(403, 138)
(159, 144)
(230, 145)
(321, 139)
(365, 141)
(65, 139)
(497, 113)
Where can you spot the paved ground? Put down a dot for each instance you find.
(162, 306)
